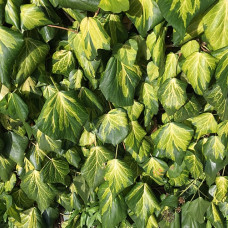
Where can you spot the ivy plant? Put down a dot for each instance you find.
(113, 113)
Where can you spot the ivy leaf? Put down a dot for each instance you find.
(199, 68)
(205, 123)
(6, 168)
(112, 208)
(135, 137)
(115, 6)
(145, 14)
(134, 111)
(197, 209)
(65, 114)
(189, 48)
(94, 174)
(55, 171)
(222, 188)
(15, 146)
(156, 168)
(90, 5)
(11, 43)
(30, 218)
(213, 149)
(214, 216)
(223, 132)
(89, 67)
(218, 100)
(148, 96)
(12, 12)
(180, 13)
(126, 53)
(173, 139)
(118, 175)
(193, 164)
(32, 16)
(13, 106)
(190, 109)
(113, 126)
(63, 62)
(217, 15)
(172, 95)
(119, 82)
(37, 190)
(33, 53)
(116, 29)
(142, 202)
(171, 67)
(91, 29)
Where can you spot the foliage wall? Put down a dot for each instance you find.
(113, 113)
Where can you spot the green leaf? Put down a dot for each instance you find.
(6, 168)
(127, 52)
(55, 171)
(116, 29)
(12, 12)
(199, 68)
(180, 13)
(205, 123)
(222, 188)
(11, 43)
(135, 137)
(193, 164)
(223, 132)
(37, 190)
(187, 220)
(89, 67)
(30, 218)
(94, 168)
(172, 68)
(134, 111)
(46, 143)
(90, 5)
(156, 168)
(113, 126)
(172, 95)
(13, 106)
(21, 199)
(189, 48)
(221, 74)
(173, 139)
(65, 114)
(118, 175)
(63, 62)
(94, 37)
(190, 109)
(73, 157)
(32, 54)
(218, 100)
(215, 23)
(32, 16)
(119, 82)
(213, 149)
(15, 147)
(145, 14)
(142, 202)
(115, 6)
(148, 96)
(197, 209)
(214, 216)
(112, 208)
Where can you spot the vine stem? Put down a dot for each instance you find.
(187, 187)
(59, 27)
(198, 188)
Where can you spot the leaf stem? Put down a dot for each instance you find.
(54, 83)
(60, 27)
(116, 151)
(198, 188)
(187, 187)
(97, 12)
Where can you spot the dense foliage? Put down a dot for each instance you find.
(113, 113)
